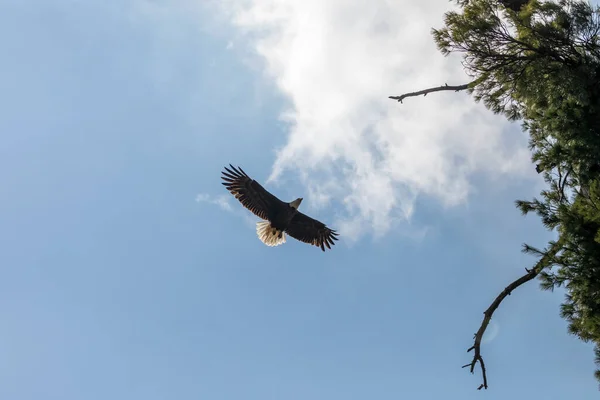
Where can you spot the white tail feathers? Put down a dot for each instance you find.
(269, 235)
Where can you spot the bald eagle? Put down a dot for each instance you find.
(279, 217)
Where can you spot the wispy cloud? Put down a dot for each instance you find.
(224, 202)
(337, 61)
(221, 201)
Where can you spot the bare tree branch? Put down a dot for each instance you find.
(431, 90)
(531, 274)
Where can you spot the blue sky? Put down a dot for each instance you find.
(126, 275)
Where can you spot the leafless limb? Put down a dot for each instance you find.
(544, 261)
(430, 90)
(562, 181)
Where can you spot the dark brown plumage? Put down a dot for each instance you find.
(279, 216)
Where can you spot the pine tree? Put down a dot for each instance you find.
(539, 63)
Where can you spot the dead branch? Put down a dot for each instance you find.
(531, 274)
(431, 90)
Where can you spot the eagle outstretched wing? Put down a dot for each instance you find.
(309, 230)
(249, 192)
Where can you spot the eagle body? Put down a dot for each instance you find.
(279, 217)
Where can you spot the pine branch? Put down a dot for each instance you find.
(531, 274)
(431, 90)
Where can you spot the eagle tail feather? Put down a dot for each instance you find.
(269, 235)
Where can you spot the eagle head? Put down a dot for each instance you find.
(296, 203)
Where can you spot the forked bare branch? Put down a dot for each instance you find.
(424, 92)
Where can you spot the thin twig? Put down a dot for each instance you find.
(562, 185)
(431, 90)
(531, 274)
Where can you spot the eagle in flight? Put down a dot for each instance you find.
(279, 217)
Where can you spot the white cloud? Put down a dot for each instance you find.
(224, 203)
(337, 61)
(221, 201)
